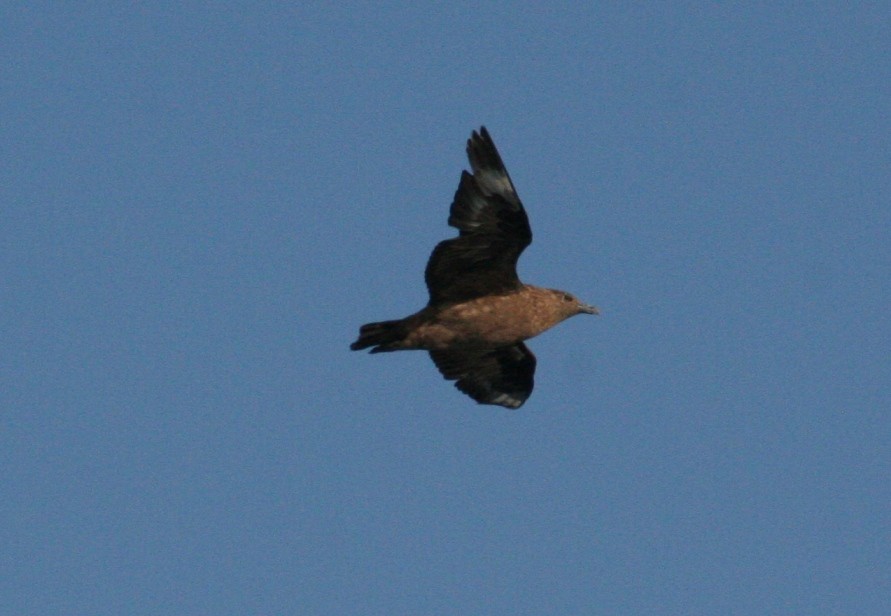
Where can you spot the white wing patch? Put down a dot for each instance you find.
(507, 400)
(495, 183)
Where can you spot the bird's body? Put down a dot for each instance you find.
(484, 322)
(479, 312)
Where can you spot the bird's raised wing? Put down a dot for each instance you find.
(493, 228)
(503, 376)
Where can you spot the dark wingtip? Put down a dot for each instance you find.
(479, 135)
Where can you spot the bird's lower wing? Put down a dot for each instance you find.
(502, 376)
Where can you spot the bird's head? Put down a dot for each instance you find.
(570, 305)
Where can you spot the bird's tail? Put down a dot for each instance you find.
(383, 336)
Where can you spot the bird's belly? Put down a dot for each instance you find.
(463, 336)
(484, 323)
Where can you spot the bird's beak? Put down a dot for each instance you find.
(588, 309)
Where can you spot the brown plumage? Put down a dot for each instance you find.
(479, 312)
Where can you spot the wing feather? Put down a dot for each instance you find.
(502, 376)
(493, 231)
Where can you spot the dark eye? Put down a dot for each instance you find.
(567, 297)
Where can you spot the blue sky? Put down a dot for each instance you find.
(201, 203)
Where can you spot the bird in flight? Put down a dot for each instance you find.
(479, 312)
